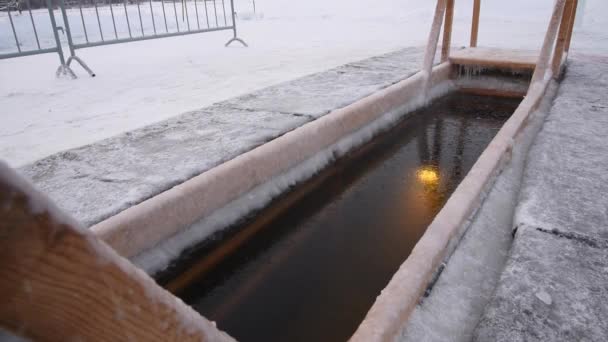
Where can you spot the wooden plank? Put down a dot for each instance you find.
(58, 282)
(475, 22)
(447, 31)
(560, 46)
(571, 28)
(545, 53)
(495, 57)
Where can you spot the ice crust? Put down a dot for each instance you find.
(99, 180)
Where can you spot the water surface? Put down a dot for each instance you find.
(313, 272)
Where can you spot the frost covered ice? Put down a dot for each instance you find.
(553, 287)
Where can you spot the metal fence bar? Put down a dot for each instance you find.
(135, 39)
(29, 8)
(224, 9)
(107, 39)
(198, 24)
(215, 11)
(127, 16)
(235, 37)
(10, 18)
(113, 20)
(98, 21)
(141, 23)
(175, 10)
(68, 32)
(153, 21)
(84, 27)
(64, 68)
(185, 4)
(206, 13)
(164, 15)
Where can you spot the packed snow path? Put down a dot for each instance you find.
(553, 287)
(96, 181)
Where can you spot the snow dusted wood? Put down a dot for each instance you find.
(431, 46)
(495, 58)
(58, 282)
(475, 23)
(560, 46)
(544, 59)
(447, 31)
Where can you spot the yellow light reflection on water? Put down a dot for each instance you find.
(428, 175)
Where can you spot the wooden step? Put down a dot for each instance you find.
(495, 57)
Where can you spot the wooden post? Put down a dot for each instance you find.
(571, 28)
(545, 52)
(447, 31)
(431, 46)
(475, 23)
(58, 282)
(560, 45)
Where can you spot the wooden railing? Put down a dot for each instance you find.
(59, 282)
(552, 54)
(393, 307)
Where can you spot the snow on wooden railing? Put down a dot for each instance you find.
(59, 282)
(545, 56)
(431, 46)
(563, 16)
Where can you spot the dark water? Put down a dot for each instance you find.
(313, 272)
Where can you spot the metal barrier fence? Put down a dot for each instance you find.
(89, 23)
(48, 45)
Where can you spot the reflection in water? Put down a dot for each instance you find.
(428, 175)
(312, 273)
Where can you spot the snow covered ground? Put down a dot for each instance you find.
(144, 82)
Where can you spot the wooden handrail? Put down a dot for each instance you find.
(431, 46)
(475, 23)
(447, 31)
(544, 58)
(571, 28)
(560, 45)
(58, 282)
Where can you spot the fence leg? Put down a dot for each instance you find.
(68, 32)
(82, 64)
(234, 38)
(64, 68)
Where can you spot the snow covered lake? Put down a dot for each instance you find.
(144, 82)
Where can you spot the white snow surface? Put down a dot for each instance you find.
(145, 82)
